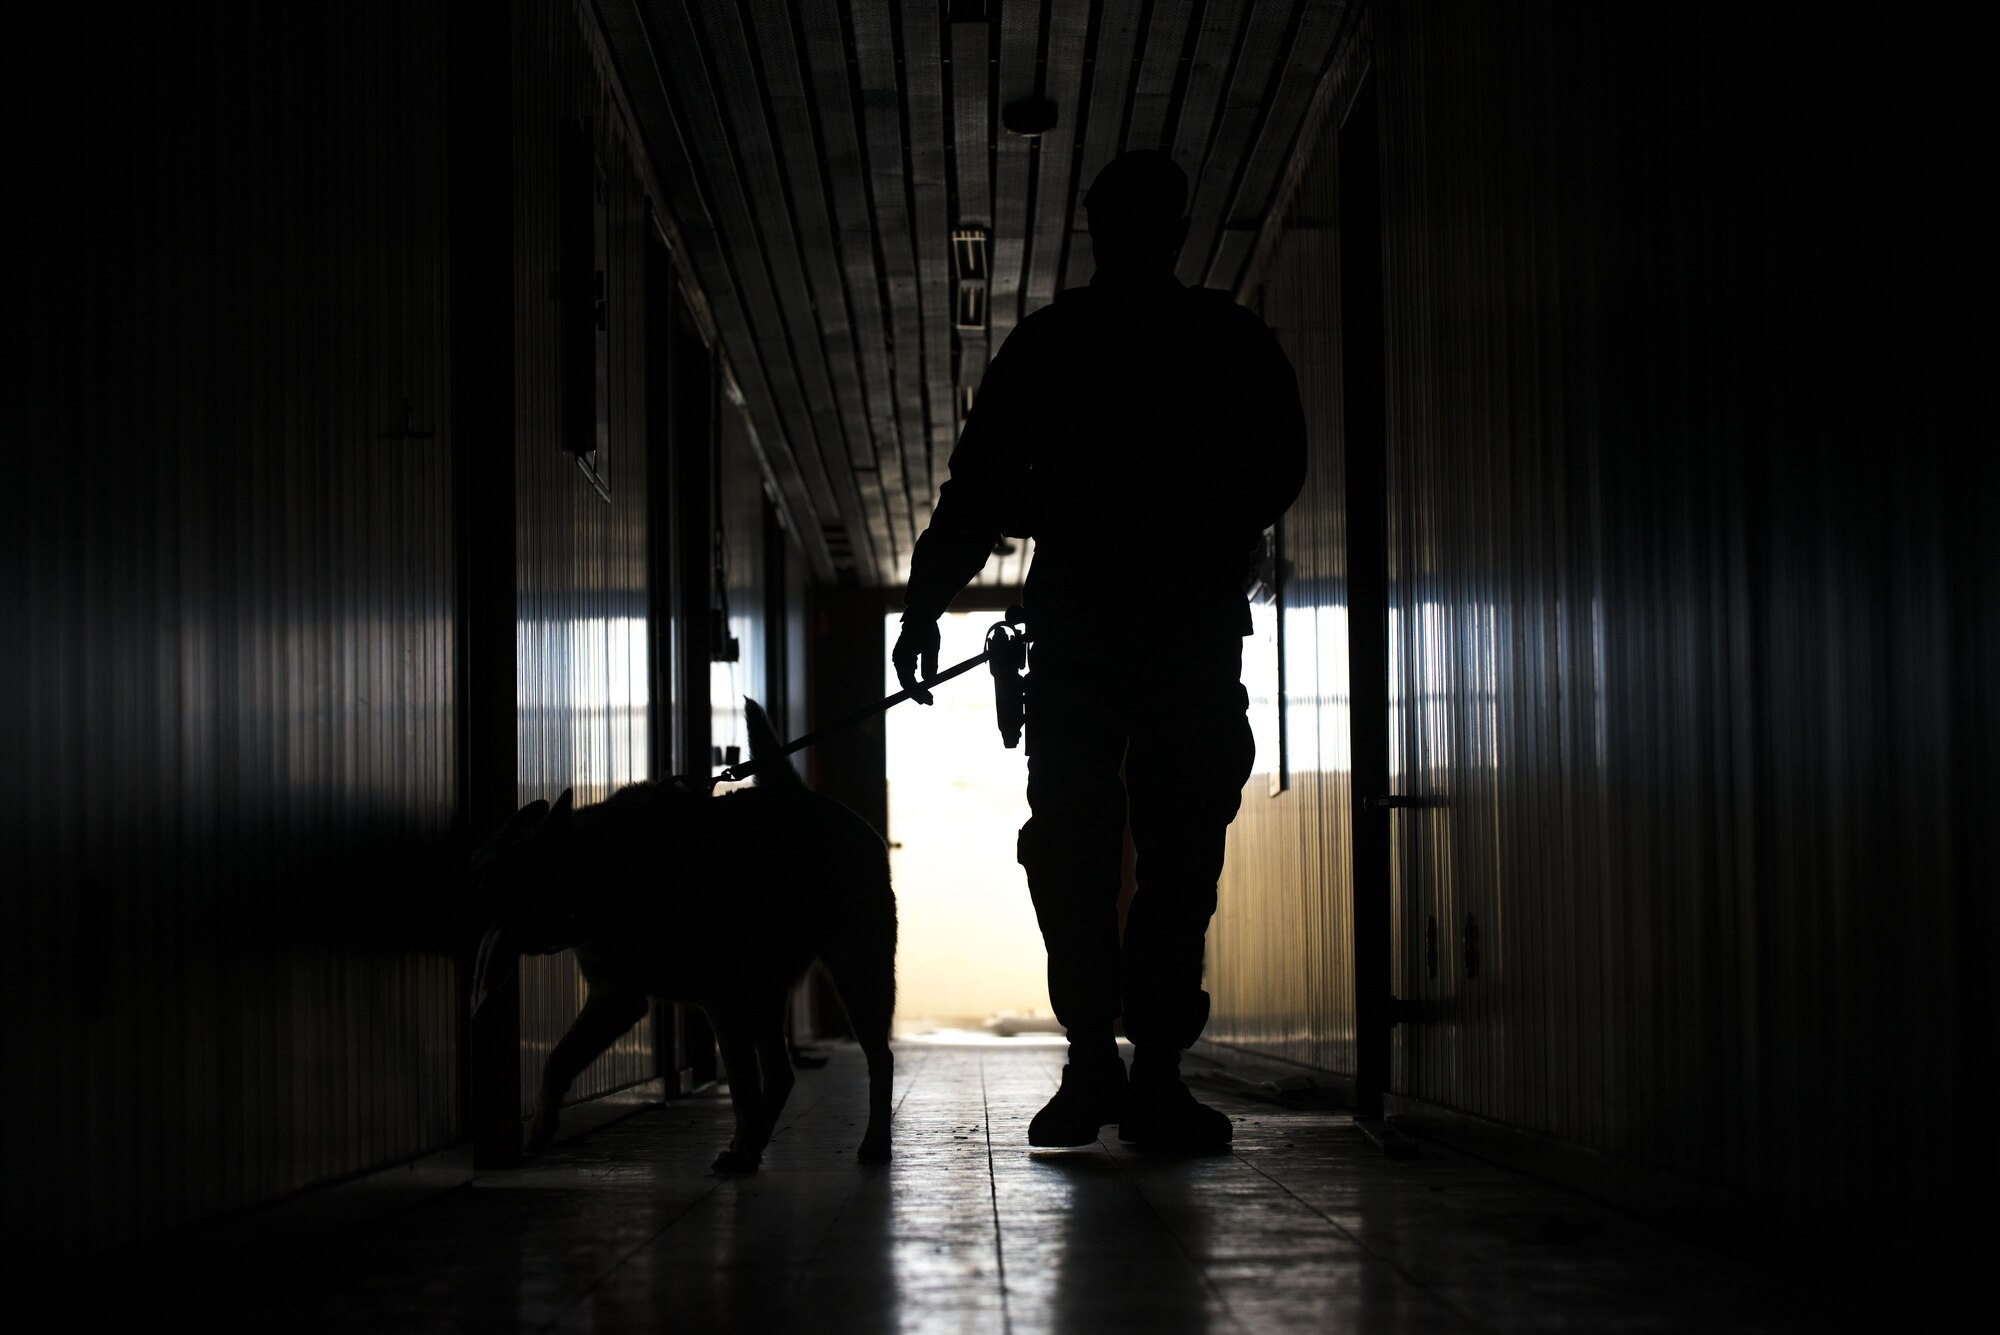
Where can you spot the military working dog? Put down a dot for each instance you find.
(665, 891)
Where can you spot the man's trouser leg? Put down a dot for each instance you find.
(1191, 752)
(1073, 845)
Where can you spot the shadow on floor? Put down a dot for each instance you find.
(1302, 1226)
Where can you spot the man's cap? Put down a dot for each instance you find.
(1141, 184)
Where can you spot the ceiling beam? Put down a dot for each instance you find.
(1056, 190)
(930, 220)
(1217, 35)
(1305, 62)
(782, 214)
(1118, 35)
(688, 221)
(1267, 32)
(1020, 43)
(845, 165)
(880, 96)
(700, 112)
(1159, 75)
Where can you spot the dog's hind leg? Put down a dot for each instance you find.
(774, 1059)
(735, 1033)
(865, 973)
(605, 1016)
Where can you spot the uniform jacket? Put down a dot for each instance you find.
(1144, 434)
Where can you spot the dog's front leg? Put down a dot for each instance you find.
(735, 1034)
(606, 1015)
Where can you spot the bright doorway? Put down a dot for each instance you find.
(969, 955)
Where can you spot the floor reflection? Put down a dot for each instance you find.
(1302, 1225)
(1122, 1264)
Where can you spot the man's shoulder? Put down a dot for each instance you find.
(1074, 296)
(1069, 305)
(1072, 302)
(1080, 313)
(1221, 304)
(1235, 325)
(1043, 323)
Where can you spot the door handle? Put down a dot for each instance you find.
(1394, 800)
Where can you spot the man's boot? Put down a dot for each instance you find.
(1092, 1095)
(1160, 1113)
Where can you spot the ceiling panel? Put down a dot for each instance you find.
(819, 154)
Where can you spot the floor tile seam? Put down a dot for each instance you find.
(993, 1187)
(626, 1259)
(806, 1268)
(1208, 1282)
(819, 1243)
(800, 1114)
(1401, 1271)
(833, 1224)
(908, 1084)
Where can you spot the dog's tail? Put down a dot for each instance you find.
(773, 769)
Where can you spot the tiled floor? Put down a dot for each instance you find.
(1303, 1226)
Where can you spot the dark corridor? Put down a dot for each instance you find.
(425, 409)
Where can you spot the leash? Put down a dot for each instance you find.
(1004, 649)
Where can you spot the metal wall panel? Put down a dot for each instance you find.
(1280, 970)
(229, 704)
(582, 647)
(1692, 621)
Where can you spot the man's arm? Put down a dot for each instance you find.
(964, 527)
(988, 479)
(1280, 470)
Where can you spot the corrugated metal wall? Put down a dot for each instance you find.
(234, 725)
(582, 648)
(1282, 970)
(1692, 625)
(229, 700)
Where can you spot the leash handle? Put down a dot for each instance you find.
(744, 769)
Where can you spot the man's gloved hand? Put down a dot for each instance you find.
(918, 644)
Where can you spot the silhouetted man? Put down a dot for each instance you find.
(1144, 434)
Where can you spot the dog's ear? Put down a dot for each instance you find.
(519, 829)
(526, 819)
(559, 814)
